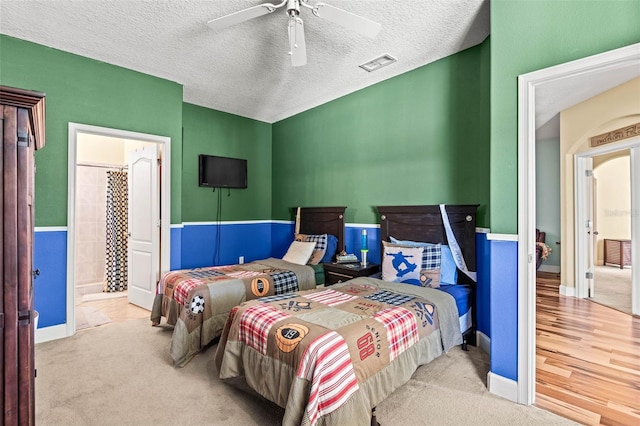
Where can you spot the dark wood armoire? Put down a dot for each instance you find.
(21, 132)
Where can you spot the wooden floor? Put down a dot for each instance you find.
(587, 358)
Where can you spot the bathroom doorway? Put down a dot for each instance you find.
(98, 168)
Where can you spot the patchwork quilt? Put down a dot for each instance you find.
(328, 356)
(197, 301)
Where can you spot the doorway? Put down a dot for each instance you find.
(603, 251)
(612, 278)
(105, 143)
(528, 85)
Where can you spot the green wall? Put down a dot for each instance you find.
(419, 138)
(207, 131)
(86, 91)
(530, 35)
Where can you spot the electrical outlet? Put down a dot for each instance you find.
(241, 259)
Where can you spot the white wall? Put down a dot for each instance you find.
(613, 201)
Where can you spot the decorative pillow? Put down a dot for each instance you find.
(402, 264)
(431, 255)
(321, 246)
(430, 278)
(299, 252)
(448, 269)
(332, 247)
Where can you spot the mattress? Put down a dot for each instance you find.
(461, 293)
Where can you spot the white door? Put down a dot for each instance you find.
(144, 226)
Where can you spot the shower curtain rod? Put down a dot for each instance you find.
(103, 166)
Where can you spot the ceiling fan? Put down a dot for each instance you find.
(297, 46)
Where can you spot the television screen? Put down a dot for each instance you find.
(222, 172)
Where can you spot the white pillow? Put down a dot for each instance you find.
(299, 252)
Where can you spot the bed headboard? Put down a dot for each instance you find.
(323, 220)
(424, 223)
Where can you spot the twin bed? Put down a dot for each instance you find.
(425, 224)
(329, 355)
(196, 302)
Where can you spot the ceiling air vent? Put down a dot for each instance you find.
(379, 62)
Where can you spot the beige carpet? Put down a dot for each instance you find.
(121, 374)
(88, 316)
(613, 287)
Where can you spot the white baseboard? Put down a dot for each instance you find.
(549, 268)
(502, 386)
(567, 291)
(484, 342)
(54, 332)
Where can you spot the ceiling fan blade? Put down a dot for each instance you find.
(297, 44)
(241, 16)
(352, 21)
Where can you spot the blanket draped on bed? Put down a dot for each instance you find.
(197, 301)
(330, 355)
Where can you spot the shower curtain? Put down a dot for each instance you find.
(116, 238)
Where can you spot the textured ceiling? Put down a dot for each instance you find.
(245, 69)
(555, 96)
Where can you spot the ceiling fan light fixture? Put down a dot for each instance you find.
(377, 63)
(297, 47)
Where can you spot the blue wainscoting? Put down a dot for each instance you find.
(175, 259)
(353, 241)
(502, 261)
(193, 244)
(281, 237)
(199, 243)
(50, 287)
(483, 295)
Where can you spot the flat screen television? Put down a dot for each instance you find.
(222, 172)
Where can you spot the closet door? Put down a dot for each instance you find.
(22, 113)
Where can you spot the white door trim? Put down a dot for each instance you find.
(582, 285)
(165, 204)
(527, 84)
(582, 163)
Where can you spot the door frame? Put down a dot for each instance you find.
(580, 159)
(581, 163)
(527, 84)
(76, 129)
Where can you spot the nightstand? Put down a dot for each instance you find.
(338, 272)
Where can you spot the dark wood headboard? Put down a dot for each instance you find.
(424, 223)
(323, 220)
